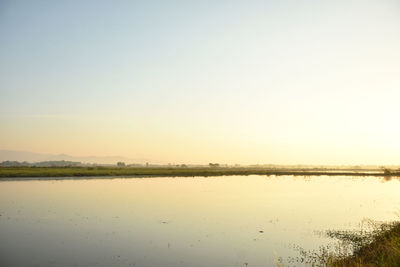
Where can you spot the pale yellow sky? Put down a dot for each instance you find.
(260, 82)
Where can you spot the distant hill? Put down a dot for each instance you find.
(11, 155)
(61, 163)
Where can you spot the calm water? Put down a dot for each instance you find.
(213, 221)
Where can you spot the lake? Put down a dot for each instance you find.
(213, 221)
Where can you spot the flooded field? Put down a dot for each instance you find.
(214, 221)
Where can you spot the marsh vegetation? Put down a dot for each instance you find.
(373, 244)
(185, 171)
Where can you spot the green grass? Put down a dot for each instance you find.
(379, 248)
(11, 172)
(375, 246)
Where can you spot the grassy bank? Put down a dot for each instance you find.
(150, 171)
(381, 248)
(376, 246)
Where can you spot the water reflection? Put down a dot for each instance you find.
(214, 221)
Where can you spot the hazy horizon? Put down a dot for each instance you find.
(33, 157)
(261, 82)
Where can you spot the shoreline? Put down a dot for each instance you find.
(64, 173)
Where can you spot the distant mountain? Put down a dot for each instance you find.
(61, 163)
(11, 155)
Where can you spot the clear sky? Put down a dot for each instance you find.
(289, 82)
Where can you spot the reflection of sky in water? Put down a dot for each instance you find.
(181, 221)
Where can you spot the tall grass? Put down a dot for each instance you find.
(381, 247)
(374, 245)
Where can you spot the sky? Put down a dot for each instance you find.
(237, 82)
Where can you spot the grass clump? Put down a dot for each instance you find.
(380, 247)
(374, 245)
